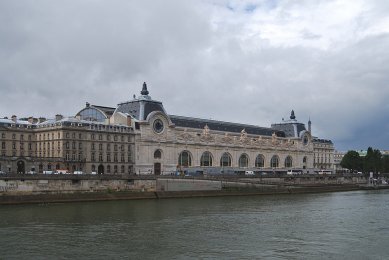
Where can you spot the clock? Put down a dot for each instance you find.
(158, 126)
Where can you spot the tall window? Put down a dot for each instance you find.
(288, 161)
(206, 159)
(260, 161)
(157, 154)
(184, 159)
(243, 160)
(225, 160)
(274, 162)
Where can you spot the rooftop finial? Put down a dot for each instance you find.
(292, 116)
(144, 89)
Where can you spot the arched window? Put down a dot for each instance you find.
(157, 154)
(225, 160)
(274, 161)
(92, 114)
(288, 161)
(260, 161)
(206, 159)
(184, 159)
(243, 160)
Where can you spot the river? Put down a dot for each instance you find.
(340, 225)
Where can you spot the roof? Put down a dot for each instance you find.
(198, 123)
(140, 109)
(107, 110)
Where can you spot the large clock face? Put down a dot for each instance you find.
(158, 126)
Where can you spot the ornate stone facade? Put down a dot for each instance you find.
(139, 137)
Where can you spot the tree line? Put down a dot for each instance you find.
(374, 161)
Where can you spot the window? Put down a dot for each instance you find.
(122, 169)
(93, 168)
(2, 145)
(109, 169)
(274, 161)
(288, 161)
(115, 169)
(260, 161)
(305, 159)
(243, 160)
(157, 154)
(184, 159)
(108, 138)
(115, 138)
(92, 157)
(108, 157)
(206, 159)
(92, 114)
(93, 136)
(225, 160)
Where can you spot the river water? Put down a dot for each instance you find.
(342, 225)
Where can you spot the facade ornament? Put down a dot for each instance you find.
(227, 139)
(185, 136)
(243, 135)
(144, 91)
(206, 136)
(206, 130)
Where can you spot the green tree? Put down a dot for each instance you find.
(385, 164)
(352, 161)
(372, 161)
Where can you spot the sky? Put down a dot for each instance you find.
(237, 61)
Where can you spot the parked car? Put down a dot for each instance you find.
(1, 172)
(93, 173)
(31, 172)
(78, 172)
(249, 173)
(47, 172)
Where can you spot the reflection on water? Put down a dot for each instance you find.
(344, 225)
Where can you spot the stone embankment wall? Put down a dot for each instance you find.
(36, 190)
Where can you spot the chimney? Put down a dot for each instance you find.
(14, 118)
(30, 120)
(58, 117)
(87, 104)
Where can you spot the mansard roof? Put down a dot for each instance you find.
(198, 123)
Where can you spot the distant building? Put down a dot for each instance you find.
(139, 137)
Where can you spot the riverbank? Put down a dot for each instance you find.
(57, 197)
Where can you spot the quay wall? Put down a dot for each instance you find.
(44, 190)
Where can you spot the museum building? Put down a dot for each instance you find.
(140, 137)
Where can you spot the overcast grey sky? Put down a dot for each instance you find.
(238, 61)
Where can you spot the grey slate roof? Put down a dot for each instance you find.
(190, 122)
(134, 108)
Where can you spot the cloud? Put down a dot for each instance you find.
(239, 61)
